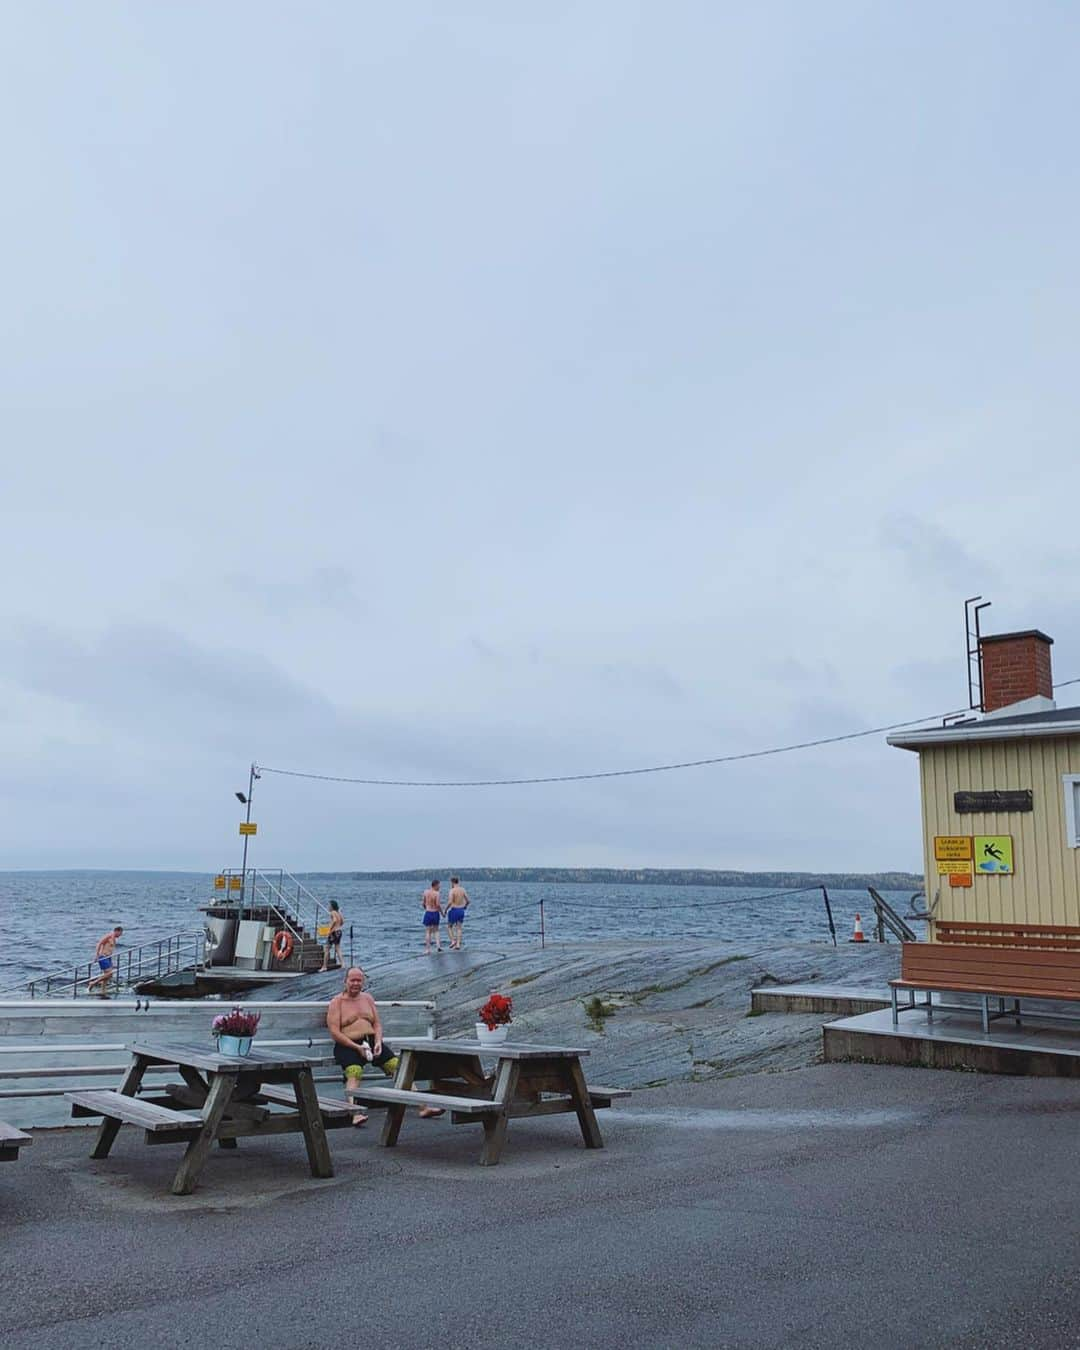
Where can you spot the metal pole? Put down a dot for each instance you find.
(828, 911)
(351, 961)
(541, 924)
(247, 821)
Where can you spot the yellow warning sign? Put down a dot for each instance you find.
(954, 868)
(236, 883)
(219, 883)
(993, 854)
(248, 827)
(953, 847)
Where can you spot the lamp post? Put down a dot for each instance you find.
(246, 801)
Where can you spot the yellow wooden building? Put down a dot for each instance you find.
(1001, 796)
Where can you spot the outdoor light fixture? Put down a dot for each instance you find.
(241, 799)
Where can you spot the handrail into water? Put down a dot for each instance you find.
(168, 954)
(887, 917)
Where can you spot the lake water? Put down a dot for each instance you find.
(54, 919)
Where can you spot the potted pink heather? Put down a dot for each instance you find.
(234, 1030)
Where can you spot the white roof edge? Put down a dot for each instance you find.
(983, 731)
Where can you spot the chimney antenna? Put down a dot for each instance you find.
(972, 634)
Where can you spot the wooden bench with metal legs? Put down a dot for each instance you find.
(991, 961)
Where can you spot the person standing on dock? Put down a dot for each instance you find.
(103, 954)
(333, 937)
(433, 911)
(456, 906)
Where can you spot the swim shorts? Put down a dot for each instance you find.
(455, 915)
(105, 962)
(333, 938)
(431, 918)
(346, 1058)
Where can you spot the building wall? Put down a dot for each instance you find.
(1045, 887)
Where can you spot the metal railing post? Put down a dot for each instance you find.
(541, 924)
(828, 912)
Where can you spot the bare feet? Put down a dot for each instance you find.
(430, 1112)
(358, 1120)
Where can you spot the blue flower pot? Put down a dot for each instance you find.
(234, 1045)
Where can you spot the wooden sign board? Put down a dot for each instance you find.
(1000, 799)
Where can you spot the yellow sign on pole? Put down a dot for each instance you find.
(953, 847)
(236, 883)
(993, 854)
(219, 883)
(248, 827)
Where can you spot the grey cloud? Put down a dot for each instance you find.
(323, 588)
(931, 554)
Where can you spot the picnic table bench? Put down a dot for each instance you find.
(528, 1080)
(11, 1140)
(1007, 962)
(223, 1100)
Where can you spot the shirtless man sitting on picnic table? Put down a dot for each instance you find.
(353, 1021)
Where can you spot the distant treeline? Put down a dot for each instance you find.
(651, 876)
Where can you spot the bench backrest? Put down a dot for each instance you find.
(1050, 936)
(1053, 973)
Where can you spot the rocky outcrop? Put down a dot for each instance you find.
(648, 1012)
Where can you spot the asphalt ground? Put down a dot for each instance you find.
(841, 1205)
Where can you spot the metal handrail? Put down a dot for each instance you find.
(887, 917)
(129, 965)
(293, 906)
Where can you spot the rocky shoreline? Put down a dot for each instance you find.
(649, 1012)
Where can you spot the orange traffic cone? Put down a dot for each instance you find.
(858, 935)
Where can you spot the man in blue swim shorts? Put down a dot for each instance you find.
(433, 912)
(103, 955)
(456, 906)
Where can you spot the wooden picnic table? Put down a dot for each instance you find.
(219, 1100)
(528, 1080)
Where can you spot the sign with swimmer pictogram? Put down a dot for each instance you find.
(994, 854)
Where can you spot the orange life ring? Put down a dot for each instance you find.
(282, 945)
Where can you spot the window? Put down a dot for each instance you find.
(1071, 784)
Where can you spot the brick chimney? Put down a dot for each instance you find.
(1015, 667)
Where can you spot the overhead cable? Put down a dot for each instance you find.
(618, 773)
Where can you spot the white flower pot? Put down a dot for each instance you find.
(486, 1037)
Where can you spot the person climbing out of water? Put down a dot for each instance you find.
(333, 937)
(433, 911)
(456, 905)
(103, 955)
(353, 1021)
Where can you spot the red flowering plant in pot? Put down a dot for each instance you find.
(494, 1018)
(234, 1030)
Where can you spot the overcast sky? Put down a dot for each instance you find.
(489, 390)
